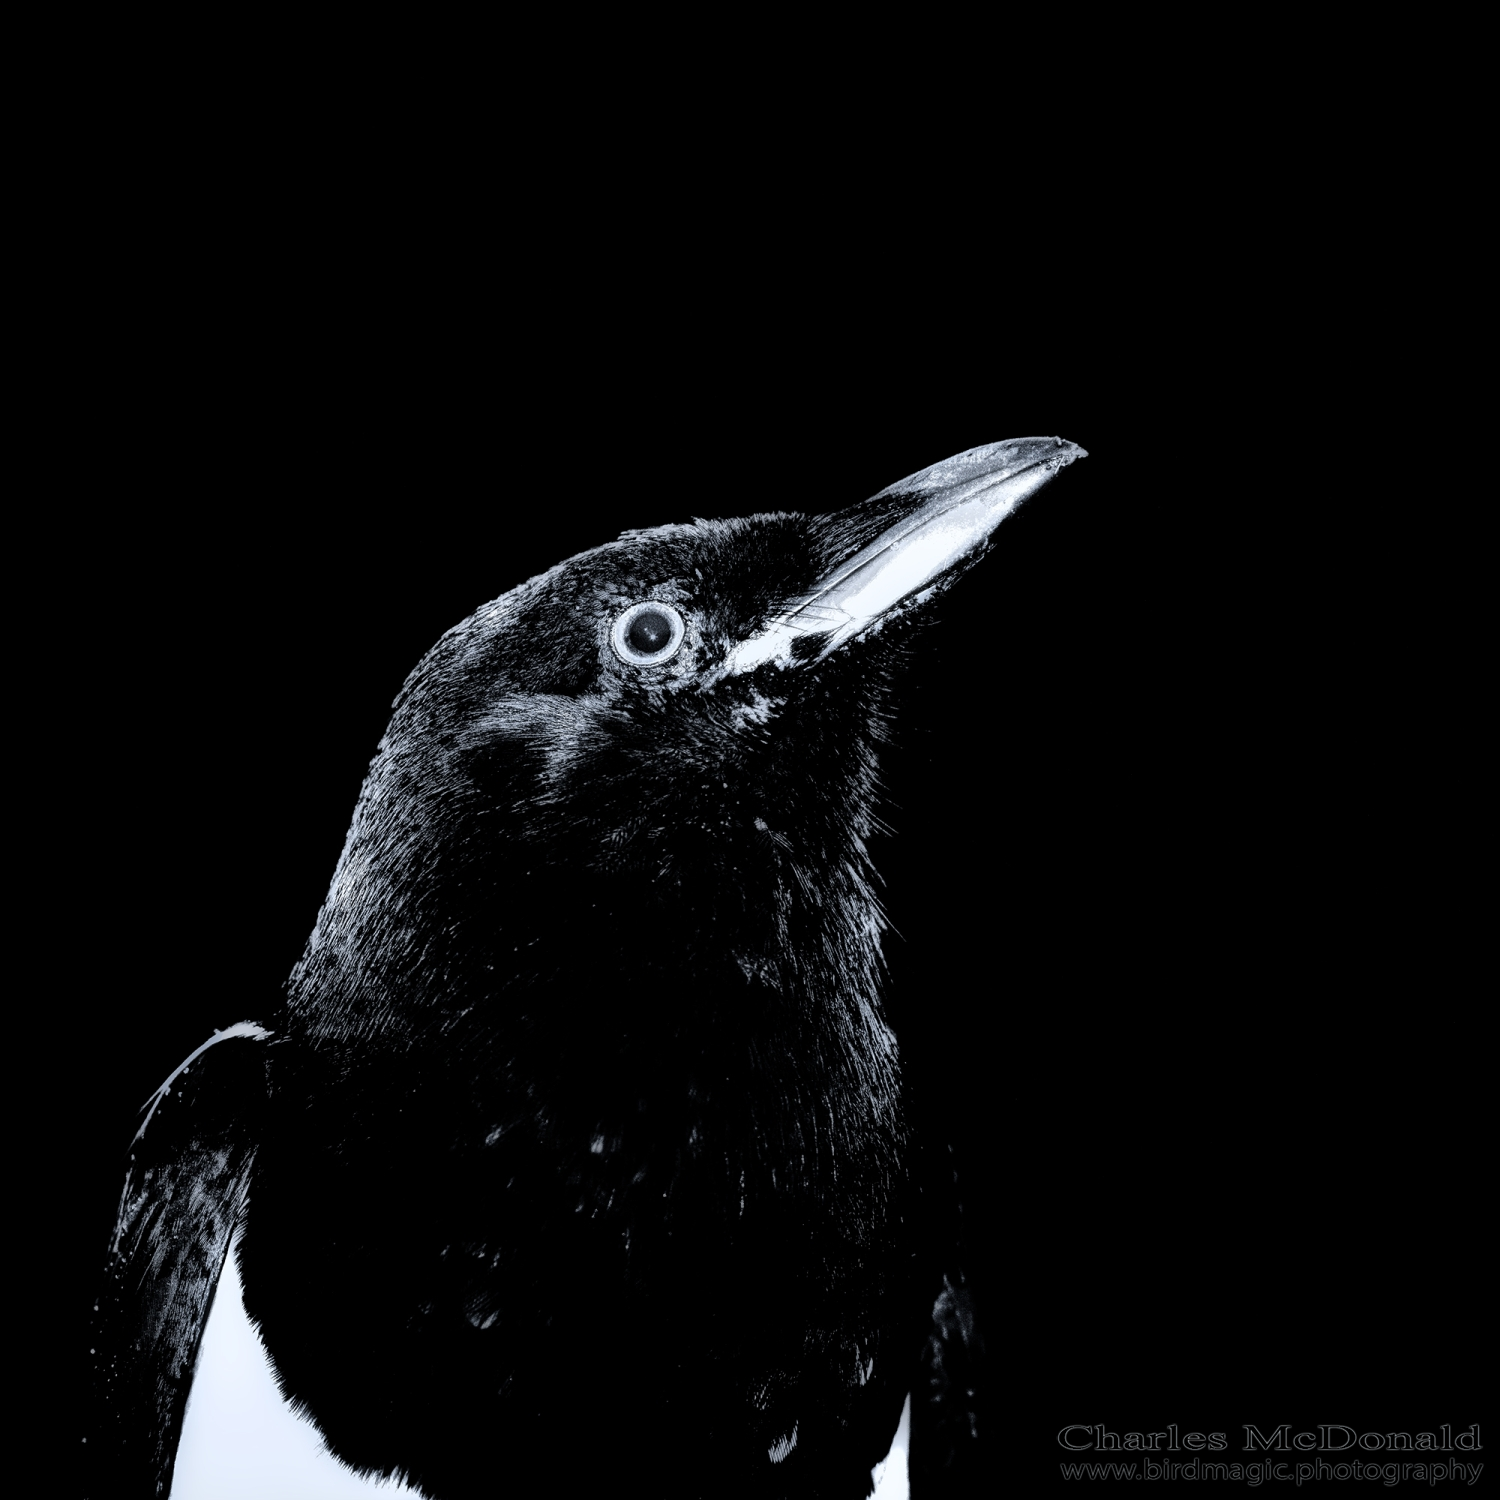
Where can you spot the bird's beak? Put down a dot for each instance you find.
(941, 520)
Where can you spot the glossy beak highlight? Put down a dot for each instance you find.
(956, 506)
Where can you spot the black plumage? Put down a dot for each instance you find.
(581, 1123)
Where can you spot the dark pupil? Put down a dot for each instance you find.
(649, 632)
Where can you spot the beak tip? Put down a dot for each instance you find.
(1000, 460)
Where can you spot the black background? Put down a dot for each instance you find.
(1166, 945)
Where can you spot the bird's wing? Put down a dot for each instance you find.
(185, 1192)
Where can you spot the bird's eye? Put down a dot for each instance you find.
(647, 634)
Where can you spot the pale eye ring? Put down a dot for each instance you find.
(647, 634)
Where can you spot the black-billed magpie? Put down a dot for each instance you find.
(581, 1116)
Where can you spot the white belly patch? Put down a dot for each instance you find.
(242, 1441)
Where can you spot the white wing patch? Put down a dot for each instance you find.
(241, 1440)
(890, 1477)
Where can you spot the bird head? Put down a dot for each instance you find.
(665, 748)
